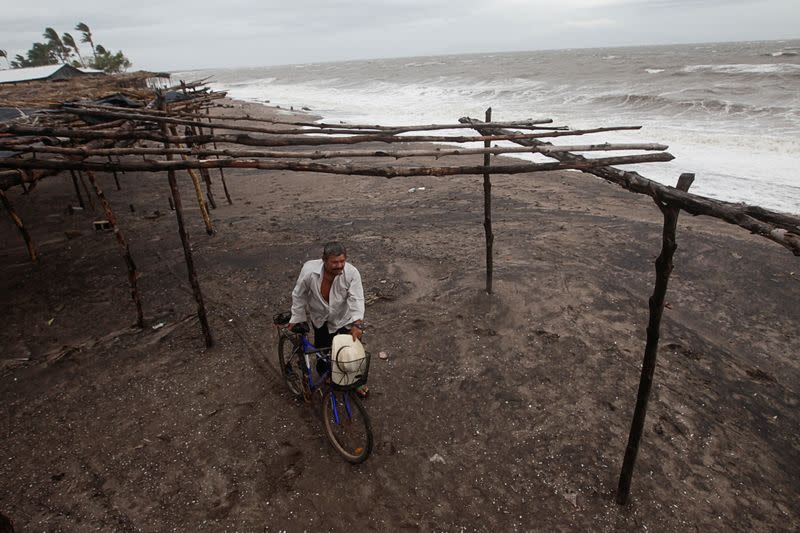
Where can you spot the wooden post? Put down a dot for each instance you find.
(116, 179)
(209, 193)
(487, 212)
(187, 247)
(221, 174)
(20, 226)
(77, 189)
(663, 270)
(86, 190)
(201, 201)
(133, 275)
(206, 175)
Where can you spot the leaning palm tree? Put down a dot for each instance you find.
(4, 54)
(69, 41)
(55, 42)
(87, 36)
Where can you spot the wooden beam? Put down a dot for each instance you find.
(335, 154)
(386, 171)
(289, 140)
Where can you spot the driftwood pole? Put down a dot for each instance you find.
(133, 275)
(198, 191)
(86, 190)
(187, 247)
(221, 173)
(663, 270)
(204, 172)
(487, 212)
(77, 189)
(116, 179)
(20, 226)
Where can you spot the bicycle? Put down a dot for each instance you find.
(344, 418)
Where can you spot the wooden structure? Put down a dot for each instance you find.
(175, 131)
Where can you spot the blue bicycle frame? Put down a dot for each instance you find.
(308, 349)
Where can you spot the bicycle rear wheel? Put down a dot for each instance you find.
(347, 425)
(289, 357)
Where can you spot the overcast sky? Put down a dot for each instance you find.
(178, 35)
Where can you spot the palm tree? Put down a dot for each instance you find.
(87, 36)
(4, 54)
(69, 41)
(55, 41)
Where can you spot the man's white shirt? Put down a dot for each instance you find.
(345, 303)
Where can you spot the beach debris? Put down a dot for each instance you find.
(436, 458)
(50, 322)
(571, 497)
(415, 189)
(72, 234)
(159, 325)
(102, 225)
(383, 355)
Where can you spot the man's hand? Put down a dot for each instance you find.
(356, 331)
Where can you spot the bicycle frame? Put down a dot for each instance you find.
(309, 349)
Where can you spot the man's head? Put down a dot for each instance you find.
(333, 258)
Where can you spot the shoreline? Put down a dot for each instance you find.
(677, 98)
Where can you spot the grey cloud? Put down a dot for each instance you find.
(241, 32)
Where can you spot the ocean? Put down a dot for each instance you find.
(730, 112)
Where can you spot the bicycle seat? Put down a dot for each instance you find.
(300, 328)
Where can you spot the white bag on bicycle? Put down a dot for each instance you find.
(349, 361)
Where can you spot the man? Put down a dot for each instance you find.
(329, 295)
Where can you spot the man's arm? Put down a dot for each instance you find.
(355, 304)
(299, 299)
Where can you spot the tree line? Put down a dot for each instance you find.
(64, 49)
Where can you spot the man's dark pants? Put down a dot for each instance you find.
(324, 339)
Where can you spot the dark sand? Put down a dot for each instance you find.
(527, 395)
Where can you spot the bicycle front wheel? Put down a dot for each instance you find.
(289, 365)
(347, 425)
